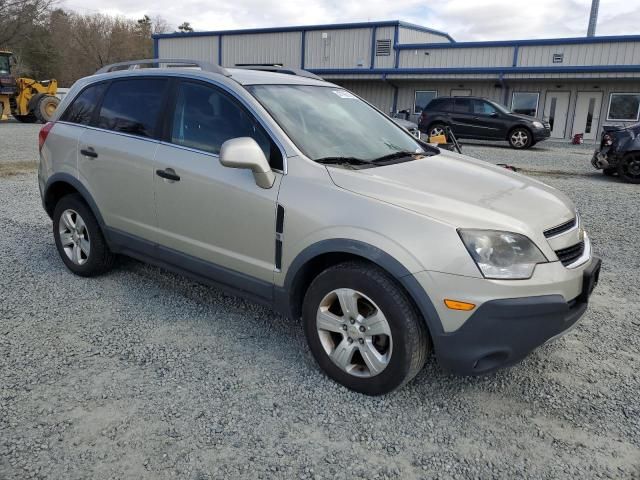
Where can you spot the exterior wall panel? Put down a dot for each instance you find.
(193, 48)
(409, 35)
(264, 48)
(340, 49)
(385, 33)
(621, 53)
(456, 57)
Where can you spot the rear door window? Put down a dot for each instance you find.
(133, 106)
(462, 105)
(205, 117)
(81, 109)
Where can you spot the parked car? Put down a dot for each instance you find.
(412, 127)
(295, 193)
(482, 119)
(619, 152)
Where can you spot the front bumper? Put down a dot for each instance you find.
(541, 134)
(504, 331)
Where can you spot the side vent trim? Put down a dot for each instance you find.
(279, 235)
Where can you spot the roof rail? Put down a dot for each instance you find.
(170, 62)
(279, 69)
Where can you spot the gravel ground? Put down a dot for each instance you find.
(145, 374)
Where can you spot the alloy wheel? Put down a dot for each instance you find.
(519, 138)
(435, 131)
(74, 237)
(354, 332)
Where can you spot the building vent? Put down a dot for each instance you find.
(383, 48)
(558, 57)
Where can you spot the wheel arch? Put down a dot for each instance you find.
(326, 253)
(61, 184)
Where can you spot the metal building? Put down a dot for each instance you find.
(576, 84)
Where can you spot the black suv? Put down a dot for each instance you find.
(482, 119)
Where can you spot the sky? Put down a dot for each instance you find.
(464, 20)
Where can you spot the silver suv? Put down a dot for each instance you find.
(298, 194)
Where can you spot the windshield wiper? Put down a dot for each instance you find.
(396, 155)
(343, 160)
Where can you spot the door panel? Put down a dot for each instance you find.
(216, 213)
(120, 179)
(556, 108)
(587, 116)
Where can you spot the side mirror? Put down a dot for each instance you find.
(13, 61)
(245, 153)
(493, 114)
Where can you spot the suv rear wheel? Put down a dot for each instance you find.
(362, 329)
(520, 138)
(629, 167)
(79, 239)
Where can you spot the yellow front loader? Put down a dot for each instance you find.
(26, 99)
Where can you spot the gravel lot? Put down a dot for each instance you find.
(145, 374)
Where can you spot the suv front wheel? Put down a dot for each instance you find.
(362, 329)
(520, 138)
(79, 239)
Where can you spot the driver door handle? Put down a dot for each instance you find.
(168, 174)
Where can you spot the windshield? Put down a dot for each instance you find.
(4, 64)
(499, 107)
(329, 122)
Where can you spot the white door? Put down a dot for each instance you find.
(556, 107)
(587, 117)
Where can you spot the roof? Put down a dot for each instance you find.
(242, 76)
(308, 28)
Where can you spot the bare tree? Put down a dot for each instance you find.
(16, 16)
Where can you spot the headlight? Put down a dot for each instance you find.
(502, 255)
(537, 124)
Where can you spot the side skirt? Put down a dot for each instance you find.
(230, 281)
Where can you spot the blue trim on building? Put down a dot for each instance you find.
(522, 43)
(374, 32)
(396, 52)
(155, 48)
(303, 47)
(516, 50)
(330, 26)
(220, 49)
(476, 70)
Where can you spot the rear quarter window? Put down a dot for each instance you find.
(82, 107)
(133, 106)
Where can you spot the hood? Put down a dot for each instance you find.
(526, 118)
(463, 192)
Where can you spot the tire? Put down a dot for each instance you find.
(46, 107)
(26, 118)
(87, 258)
(395, 354)
(436, 129)
(609, 172)
(520, 138)
(629, 168)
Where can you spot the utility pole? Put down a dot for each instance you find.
(593, 18)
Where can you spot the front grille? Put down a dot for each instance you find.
(565, 227)
(570, 254)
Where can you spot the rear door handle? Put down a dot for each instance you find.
(168, 174)
(89, 152)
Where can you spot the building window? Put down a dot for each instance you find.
(624, 107)
(383, 48)
(422, 98)
(525, 103)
